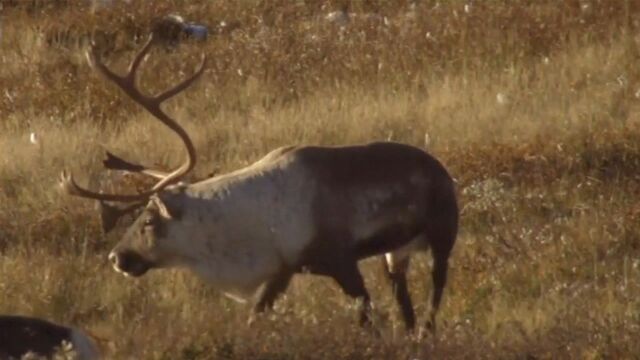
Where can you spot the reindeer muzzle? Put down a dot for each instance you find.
(129, 263)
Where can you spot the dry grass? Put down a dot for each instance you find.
(534, 107)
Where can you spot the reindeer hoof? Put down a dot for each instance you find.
(430, 326)
(251, 320)
(429, 329)
(421, 333)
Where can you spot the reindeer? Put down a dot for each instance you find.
(21, 335)
(299, 209)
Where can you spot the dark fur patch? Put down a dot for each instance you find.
(388, 239)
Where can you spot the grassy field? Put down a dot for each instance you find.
(534, 106)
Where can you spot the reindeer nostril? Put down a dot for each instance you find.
(129, 262)
(113, 258)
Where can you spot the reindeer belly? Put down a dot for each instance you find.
(239, 265)
(381, 230)
(385, 239)
(241, 279)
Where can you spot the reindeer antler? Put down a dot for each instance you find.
(152, 104)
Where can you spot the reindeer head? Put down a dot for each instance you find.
(144, 244)
(148, 242)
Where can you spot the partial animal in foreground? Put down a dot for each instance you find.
(172, 28)
(311, 209)
(21, 335)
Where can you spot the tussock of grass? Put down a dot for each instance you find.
(533, 107)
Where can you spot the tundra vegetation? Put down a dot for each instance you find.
(533, 106)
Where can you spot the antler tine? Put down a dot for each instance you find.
(135, 63)
(160, 98)
(113, 162)
(94, 62)
(68, 184)
(127, 82)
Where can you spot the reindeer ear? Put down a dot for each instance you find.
(110, 214)
(166, 211)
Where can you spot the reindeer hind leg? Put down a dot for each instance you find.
(441, 234)
(395, 266)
